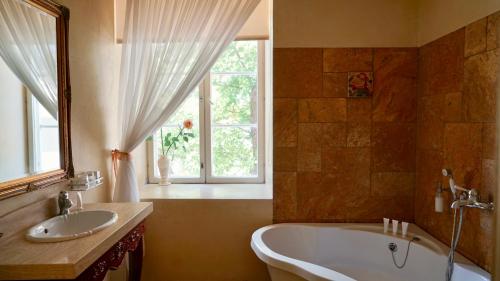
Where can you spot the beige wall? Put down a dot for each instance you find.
(13, 149)
(94, 67)
(439, 17)
(362, 23)
(204, 240)
(344, 23)
(257, 25)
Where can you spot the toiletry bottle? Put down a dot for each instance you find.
(438, 200)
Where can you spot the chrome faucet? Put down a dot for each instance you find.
(470, 199)
(464, 197)
(64, 203)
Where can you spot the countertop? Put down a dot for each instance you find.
(22, 259)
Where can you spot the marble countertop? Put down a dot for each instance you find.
(22, 259)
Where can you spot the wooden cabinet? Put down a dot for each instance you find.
(132, 243)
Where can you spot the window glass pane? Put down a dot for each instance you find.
(183, 163)
(234, 111)
(234, 151)
(48, 139)
(240, 56)
(189, 109)
(49, 148)
(234, 99)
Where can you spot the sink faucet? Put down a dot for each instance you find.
(470, 199)
(64, 203)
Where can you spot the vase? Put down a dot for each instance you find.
(163, 167)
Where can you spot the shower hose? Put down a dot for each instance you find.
(454, 242)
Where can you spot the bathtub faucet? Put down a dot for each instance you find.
(464, 197)
(470, 199)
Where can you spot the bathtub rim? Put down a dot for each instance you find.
(305, 269)
(295, 266)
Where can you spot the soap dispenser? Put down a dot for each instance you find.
(438, 200)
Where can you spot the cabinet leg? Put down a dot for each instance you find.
(135, 262)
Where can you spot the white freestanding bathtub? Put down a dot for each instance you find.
(346, 252)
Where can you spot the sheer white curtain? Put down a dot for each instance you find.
(28, 47)
(168, 46)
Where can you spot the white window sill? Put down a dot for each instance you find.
(206, 191)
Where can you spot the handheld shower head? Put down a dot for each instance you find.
(447, 173)
(453, 186)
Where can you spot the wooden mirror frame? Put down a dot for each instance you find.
(34, 182)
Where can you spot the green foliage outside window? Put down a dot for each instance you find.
(234, 111)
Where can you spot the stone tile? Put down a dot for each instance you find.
(298, 72)
(484, 241)
(308, 160)
(322, 110)
(480, 80)
(285, 118)
(285, 159)
(335, 85)
(360, 84)
(393, 147)
(431, 108)
(359, 110)
(323, 197)
(462, 152)
(468, 237)
(314, 198)
(489, 141)
(440, 68)
(284, 196)
(347, 59)
(374, 208)
(492, 39)
(395, 86)
(344, 160)
(429, 164)
(309, 190)
(333, 135)
(489, 180)
(453, 109)
(430, 125)
(310, 136)
(358, 134)
(314, 136)
(430, 135)
(475, 37)
(392, 184)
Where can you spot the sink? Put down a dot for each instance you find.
(72, 226)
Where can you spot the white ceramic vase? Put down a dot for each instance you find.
(164, 166)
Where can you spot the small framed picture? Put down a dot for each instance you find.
(360, 84)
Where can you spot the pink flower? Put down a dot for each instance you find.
(188, 124)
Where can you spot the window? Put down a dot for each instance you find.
(228, 114)
(43, 134)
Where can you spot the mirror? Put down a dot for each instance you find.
(35, 146)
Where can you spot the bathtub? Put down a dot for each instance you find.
(346, 252)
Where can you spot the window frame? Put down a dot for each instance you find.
(206, 128)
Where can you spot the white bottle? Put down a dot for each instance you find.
(404, 229)
(438, 200)
(395, 227)
(386, 225)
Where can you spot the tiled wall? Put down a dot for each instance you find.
(338, 158)
(456, 129)
(345, 159)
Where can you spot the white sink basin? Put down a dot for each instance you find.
(72, 226)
